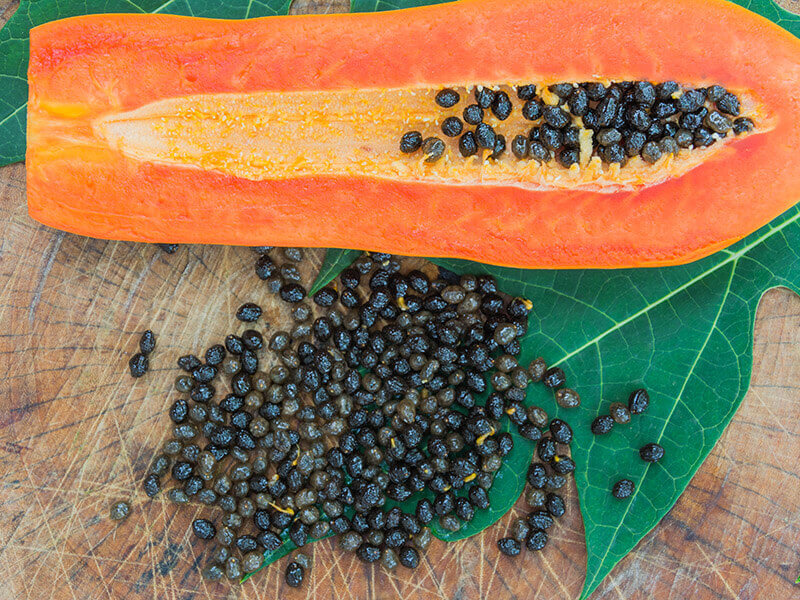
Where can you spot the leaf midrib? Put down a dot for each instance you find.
(733, 257)
(594, 580)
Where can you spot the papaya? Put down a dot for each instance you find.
(504, 132)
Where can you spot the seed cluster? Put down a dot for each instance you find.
(624, 119)
(545, 477)
(367, 424)
(638, 402)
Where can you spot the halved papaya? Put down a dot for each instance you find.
(535, 133)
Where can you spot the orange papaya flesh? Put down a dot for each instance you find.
(285, 131)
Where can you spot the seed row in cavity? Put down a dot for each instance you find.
(620, 121)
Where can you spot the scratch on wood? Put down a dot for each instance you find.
(52, 252)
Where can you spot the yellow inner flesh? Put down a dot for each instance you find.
(279, 135)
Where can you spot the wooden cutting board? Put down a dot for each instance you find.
(77, 433)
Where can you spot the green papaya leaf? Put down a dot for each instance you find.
(683, 333)
(334, 263)
(381, 5)
(30, 13)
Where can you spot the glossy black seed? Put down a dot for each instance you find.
(532, 109)
(526, 92)
(602, 425)
(594, 90)
(651, 452)
(537, 476)
(395, 537)
(568, 157)
(182, 470)
(623, 489)
(464, 509)
(447, 98)
(555, 505)
(620, 413)
(530, 432)
(265, 268)
(499, 146)
(563, 465)
(409, 557)
(411, 141)
(665, 90)
(691, 121)
(729, 104)
(718, 122)
(572, 137)
(193, 485)
(608, 136)
(246, 543)
(637, 116)
(561, 431)
(546, 449)
(433, 148)
(551, 137)
(501, 106)
(147, 342)
(452, 126)
(325, 297)
(742, 125)
(651, 152)
(484, 96)
(473, 114)
(555, 116)
(189, 362)
(509, 546)
(691, 100)
(248, 312)
(644, 92)
(578, 102)
(294, 575)
(538, 152)
(703, 137)
(638, 401)
(684, 138)
(204, 529)
(663, 109)
(607, 110)
(368, 553)
(536, 541)
(119, 511)
(484, 135)
(668, 145)
(519, 146)
(350, 278)
(540, 519)
(138, 364)
(292, 292)
(467, 144)
(204, 373)
(179, 411)
(554, 377)
(613, 153)
(168, 248)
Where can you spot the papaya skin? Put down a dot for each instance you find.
(86, 68)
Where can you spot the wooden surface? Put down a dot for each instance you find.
(77, 433)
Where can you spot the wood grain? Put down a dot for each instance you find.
(77, 433)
